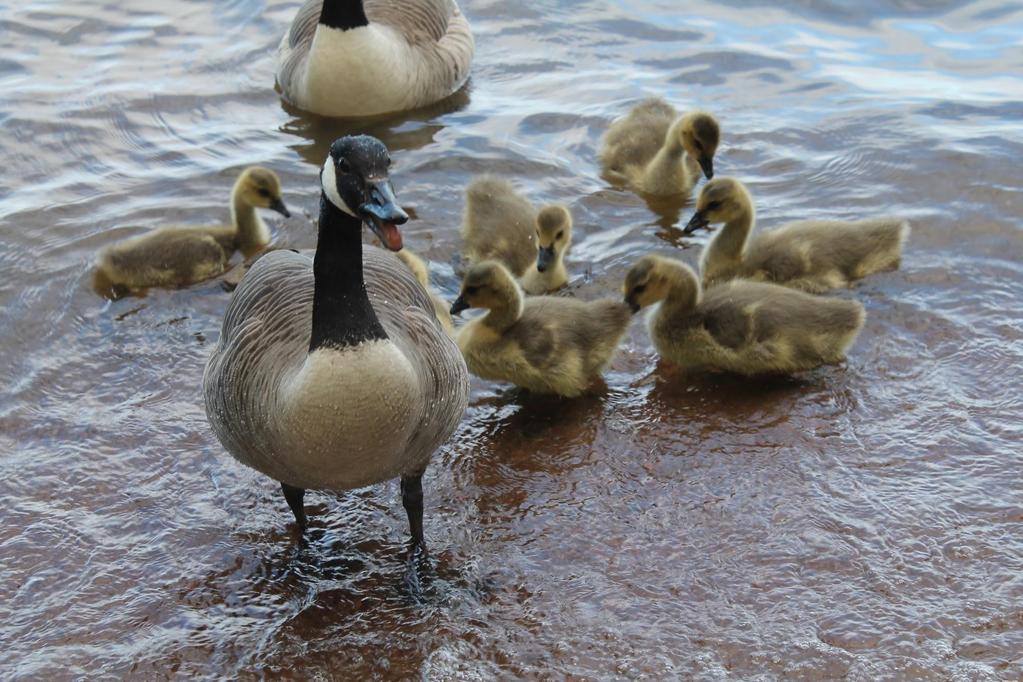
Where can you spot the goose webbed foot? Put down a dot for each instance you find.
(412, 500)
(295, 497)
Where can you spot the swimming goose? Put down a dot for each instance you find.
(333, 373)
(177, 256)
(812, 255)
(655, 151)
(417, 266)
(500, 224)
(547, 344)
(743, 327)
(367, 57)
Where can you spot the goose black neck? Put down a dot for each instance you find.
(343, 14)
(342, 313)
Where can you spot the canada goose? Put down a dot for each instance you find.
(181, 255)
(812, 255)
(547, 344)
(417, 266)
(500, 224)
(655, 151)
(325, 377)
(743, 327)
(367, 57)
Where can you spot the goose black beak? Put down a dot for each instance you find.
(383, 214)
(699, 220)
(459, 305)
(278, 205)
(707, 166)
(544, 258)
(633, 305)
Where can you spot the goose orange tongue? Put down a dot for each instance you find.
(389, 235)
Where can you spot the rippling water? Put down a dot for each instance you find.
(860, 522)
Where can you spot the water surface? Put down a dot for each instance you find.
(858, 522)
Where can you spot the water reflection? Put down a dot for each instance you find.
(402, 131)
(861, 521)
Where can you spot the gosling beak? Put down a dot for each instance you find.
(459, 305)
(278, 205)
(544, 258)
(383, 214)
(707, 166)
(699, 220)
(633, 304)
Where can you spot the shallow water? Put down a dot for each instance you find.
(860, 522)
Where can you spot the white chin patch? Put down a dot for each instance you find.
(329, 182)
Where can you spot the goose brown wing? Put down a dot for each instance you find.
(265, 334)
(419, 21)
(294, 48)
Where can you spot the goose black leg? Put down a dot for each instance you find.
(412, 500)
(294, 496)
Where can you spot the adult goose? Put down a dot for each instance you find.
(367, 57)
(333, 373)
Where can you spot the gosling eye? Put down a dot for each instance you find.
(264, 192)
(559, 235)
(639, 289)
(471, 291)
(698, 145)
(713, 206)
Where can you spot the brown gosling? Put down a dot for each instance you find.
(811, 255)
(177, 256)
(418, 267)
(653, 150)
(744, 327)
(546, 344)
(500, 224)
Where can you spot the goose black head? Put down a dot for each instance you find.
(355, 179)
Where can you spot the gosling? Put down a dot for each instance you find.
(178, 256)
(747, 328)
(545, 344)
(500, 224)
(418, 268)
(810, 255)
(655, 151)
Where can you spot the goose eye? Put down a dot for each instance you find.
(639, 289)
(471, 291)
(344, 166)
(714, 205)
(265, 193)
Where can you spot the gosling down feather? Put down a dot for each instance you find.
(743, 327)
(654, 150)
(500, 224)
(367, 57)
(546, 344)
(333, 373)
(417, 266)
(178, 256)
(812, 255)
